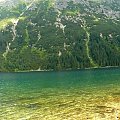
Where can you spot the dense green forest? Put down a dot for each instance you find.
(59, 35)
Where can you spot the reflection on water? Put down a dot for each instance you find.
(73, 95)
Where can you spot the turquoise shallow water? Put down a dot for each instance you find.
(85, 94)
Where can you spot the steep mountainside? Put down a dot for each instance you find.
(59, 34)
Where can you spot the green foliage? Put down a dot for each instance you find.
(41, 44)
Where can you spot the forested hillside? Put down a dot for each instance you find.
(59, 34)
